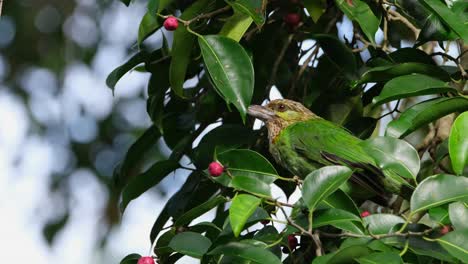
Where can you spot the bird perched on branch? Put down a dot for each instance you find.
(301, 142)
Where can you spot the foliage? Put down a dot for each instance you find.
(237, 51)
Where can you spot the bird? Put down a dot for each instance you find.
(301, 142)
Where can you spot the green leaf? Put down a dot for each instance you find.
(379, 224)
(148, 25)
(338, 218)
(236, 26)
(411, 85)
(248, 252)
(230, 69)
(320, 183)
(244, 162)
(135, 155)
(222, 138)
(456, 22)
(126, 2)
(338, 52)
(120, 71)
(344, 255)
(199, 210)
(386, 73)
(251, 185)
(424, 113)
(458, 143)
(440, 214)
(316, 8)
(339, 200)
(183, 44)
(395, 155)
(130, 259)
(190, 244)
(381, 257)
(456, 243)
(143, 182)
(242, 207)
(360, 12)
(437, 190)
(253, 8)
(458, 214)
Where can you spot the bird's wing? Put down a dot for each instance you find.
(324, 142)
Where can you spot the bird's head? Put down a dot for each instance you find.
(279, 114)
(283, 110)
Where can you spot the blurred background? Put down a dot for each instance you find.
(62, 132)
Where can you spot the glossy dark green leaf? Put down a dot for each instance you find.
(411, 55)
(392, 154)
(323, 259)
(437, 190)
(199, 210)
(381, 257)
(381, 223)
(244, 162)
(338, 218)
(360, 12)
(315, 8)
(256, 216)
(338, 52)
(456, 243)
(221, 138)
(456, 22)
(190, 244)
(120, 71)
(245, 251)
(143, 182)
(386, 73)
(253, 8)
(319, 184)
(458, 143)
(251, 185)
(135, 155)
(339, 200)
(148, 25)
(130, 259)
(423, 247)
(458, 212)
(126, 2)
(424, 113)
(183, 45)
(159, 223)
(242, 207)
(236, 26)
(411, 85)
(440, 214)
(344, 255)
(230, 69)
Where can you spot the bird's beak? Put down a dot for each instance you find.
(261, 112)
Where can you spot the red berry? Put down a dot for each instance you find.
(365, 214)
(265, 222)
(171, 23)
(292, 242)
(292, 19)
(445, 229)
(215, 169)
(146, 260)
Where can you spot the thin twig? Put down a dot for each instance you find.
(394, 15)
(397, 234)
(274, 70)
(318, 250)
(199, 17)
(455, 60)
(292, 223)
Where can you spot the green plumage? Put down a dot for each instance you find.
(307, 145)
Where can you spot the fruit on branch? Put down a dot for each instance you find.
(171, 23)
(292, 242)
(302, 142)
(292, 19)
(445, 229)
(365, 214)
(215, 169)
(146, 260)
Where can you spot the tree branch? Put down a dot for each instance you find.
(394, 15)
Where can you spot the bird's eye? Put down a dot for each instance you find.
(281, 108)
